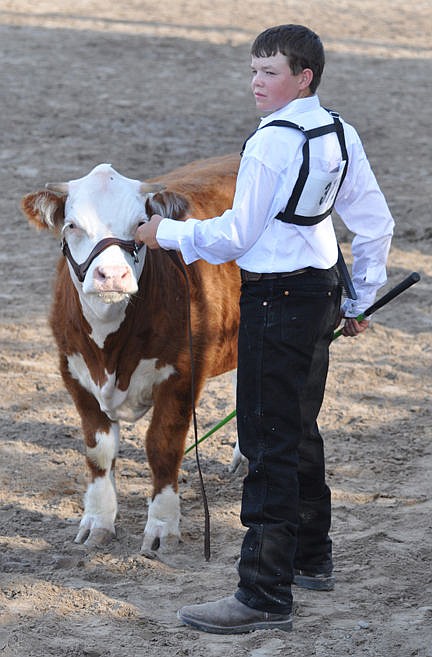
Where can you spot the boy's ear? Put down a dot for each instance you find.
(306, 78)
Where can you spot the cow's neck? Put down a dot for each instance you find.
(104, 318)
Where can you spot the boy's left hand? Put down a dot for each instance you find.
(352, 327)
(146, 233)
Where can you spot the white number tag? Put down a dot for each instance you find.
(319, 192)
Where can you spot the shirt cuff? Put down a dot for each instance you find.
(352, 308)
(178, 235)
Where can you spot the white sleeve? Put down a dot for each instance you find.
(227, 237)
(364, 210)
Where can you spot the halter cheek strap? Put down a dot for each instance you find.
(81, 270)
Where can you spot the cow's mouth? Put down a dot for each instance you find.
(112, 297)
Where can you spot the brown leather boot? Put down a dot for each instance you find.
(230, 616)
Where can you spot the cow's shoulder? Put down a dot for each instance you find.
(200, 189)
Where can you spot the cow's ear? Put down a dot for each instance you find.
(168, 204)
(44, 209)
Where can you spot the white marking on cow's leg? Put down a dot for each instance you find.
(239, 462)
(162, 522)
(100, 501)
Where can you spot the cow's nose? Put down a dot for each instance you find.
(105, 273)
(113, 277)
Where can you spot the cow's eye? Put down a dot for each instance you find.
(71, 226)
(71, 229)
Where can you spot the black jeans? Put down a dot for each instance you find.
(285, 331)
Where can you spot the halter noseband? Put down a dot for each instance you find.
(80, 270)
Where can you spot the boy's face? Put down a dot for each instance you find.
(273, 83)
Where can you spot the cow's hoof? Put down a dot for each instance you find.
(149, 553)
(99, 538)
(152, 547)
(238, 466)
(94, 538)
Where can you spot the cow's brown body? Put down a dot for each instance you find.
(145, 361)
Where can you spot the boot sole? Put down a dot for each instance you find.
(284, 625)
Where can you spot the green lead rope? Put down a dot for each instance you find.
(215, 428)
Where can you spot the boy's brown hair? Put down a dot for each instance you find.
(302, 48)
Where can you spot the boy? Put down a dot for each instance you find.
(280, 232)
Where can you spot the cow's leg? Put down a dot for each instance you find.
(101, 437)
(165, 445)
(100, 501)
(239, 462)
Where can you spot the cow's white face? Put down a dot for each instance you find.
(100, 205)
(93, 214)
(105, 204)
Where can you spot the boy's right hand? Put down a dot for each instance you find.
(146, 232)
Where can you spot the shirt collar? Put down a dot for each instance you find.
(294, 108)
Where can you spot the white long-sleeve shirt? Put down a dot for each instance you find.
(249, 231)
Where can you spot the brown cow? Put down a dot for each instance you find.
(119, 317)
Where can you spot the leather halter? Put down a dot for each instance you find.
(80, 270)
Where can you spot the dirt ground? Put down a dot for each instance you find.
(149, 87)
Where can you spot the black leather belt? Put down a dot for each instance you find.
(250, 276)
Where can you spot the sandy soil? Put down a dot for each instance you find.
(148, 87)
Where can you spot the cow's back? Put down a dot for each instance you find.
(208, 184)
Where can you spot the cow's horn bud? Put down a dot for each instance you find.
(151, 188)
(59, 187)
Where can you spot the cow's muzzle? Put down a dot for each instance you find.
(80, 270)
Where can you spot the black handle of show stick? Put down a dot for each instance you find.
(414, 277)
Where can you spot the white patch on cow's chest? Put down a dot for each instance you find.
(101, 331)
(104, 318)
(129, 404)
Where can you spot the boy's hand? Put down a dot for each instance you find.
(352, 327)
(146, 233)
